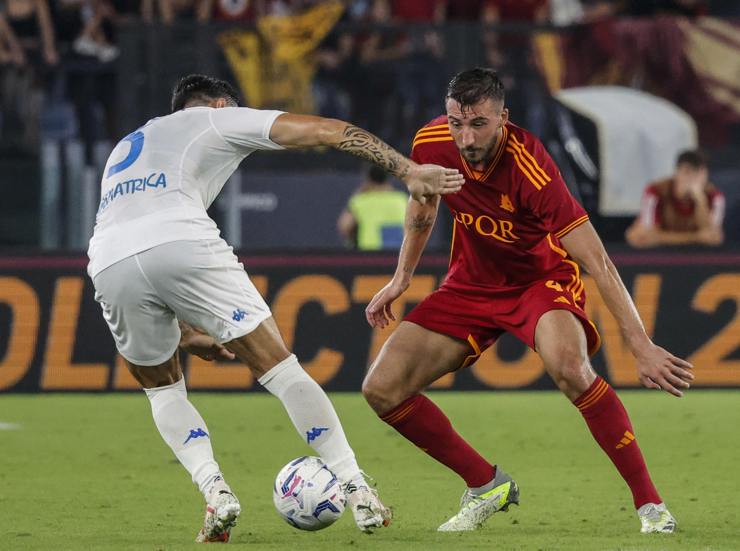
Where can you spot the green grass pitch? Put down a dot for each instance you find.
(90, 472)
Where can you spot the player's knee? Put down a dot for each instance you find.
(378, 395)
(570, 369)
(373, 393)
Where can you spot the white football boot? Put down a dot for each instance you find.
(656, 518)
(221, 511)
(475, 510)
(363, 500)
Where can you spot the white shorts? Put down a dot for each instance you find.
(199, 282)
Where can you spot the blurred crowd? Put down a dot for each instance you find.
(57, 57)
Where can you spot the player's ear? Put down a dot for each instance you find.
(504, 116)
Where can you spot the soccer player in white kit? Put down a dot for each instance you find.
(164, 277)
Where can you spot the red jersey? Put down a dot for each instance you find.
(660, 207)
(507, 219)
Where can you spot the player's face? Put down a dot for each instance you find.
(476, 128)
(690, 180)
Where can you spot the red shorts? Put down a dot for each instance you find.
(481, 316)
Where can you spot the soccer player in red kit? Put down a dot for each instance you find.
(519, 238)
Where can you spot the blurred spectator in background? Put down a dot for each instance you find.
(187, 10)
(422, 77)
(374, 216)
(11, 51)
(125, 11)
(28, 51)
(380, 53)
(566, 12)
(237, 10)
(30, 23)
(335, 74)
(682, 210)
(467, 10)
(86, 33)
(80, 23)
(510, 53)
(357, 10)
(419, 11)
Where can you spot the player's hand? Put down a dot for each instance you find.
(660, 369)
(194, 341)
(378, 313)
(710, 236)
(423, 181)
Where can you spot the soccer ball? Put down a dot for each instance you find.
(308, 495)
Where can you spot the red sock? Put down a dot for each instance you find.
(610, 425)
(424, 424)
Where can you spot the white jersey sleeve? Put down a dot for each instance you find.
(245, 129)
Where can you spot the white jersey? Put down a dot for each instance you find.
(160, 179)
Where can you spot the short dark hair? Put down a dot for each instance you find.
(376, 174)
(693, 157)
(471, 86)
(201, 88)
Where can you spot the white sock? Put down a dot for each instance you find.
(184, 430)
(313, 415)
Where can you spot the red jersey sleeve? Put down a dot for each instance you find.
(429, 139)
(649, 206)
(717, 207)
(416, 156)
(543, 190)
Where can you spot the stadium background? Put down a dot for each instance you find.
(82, 467)
(382, 65)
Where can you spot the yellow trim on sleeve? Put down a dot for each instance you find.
(577, 222)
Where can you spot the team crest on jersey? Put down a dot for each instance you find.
(506, 203)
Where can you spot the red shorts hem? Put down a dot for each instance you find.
(480, 317)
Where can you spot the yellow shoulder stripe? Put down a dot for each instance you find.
(525, 168)
(531, 161)
(433, 133)
(435, 127)
(427, 140)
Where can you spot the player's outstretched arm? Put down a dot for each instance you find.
(422, 181)
(417, 228)
(656, 367)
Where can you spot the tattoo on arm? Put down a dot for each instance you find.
(363, 144)
(420, 223)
